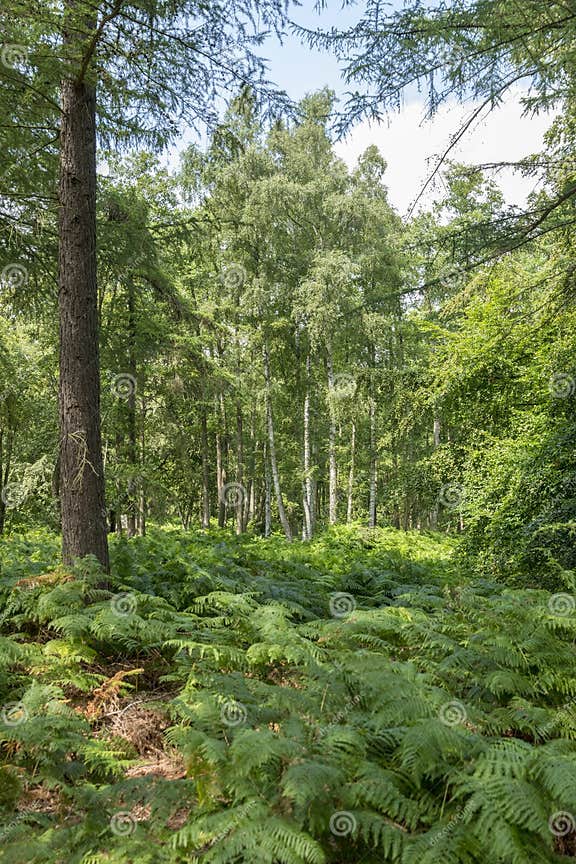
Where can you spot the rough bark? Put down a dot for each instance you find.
(81, 465)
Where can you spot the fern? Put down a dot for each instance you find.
(437, 716)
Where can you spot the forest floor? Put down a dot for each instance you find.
(223, 699)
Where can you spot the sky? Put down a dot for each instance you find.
(405, 140)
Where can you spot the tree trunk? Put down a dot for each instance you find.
(436, 432)
(221, 464)
(82, 488)
(373, 466)
(395, 474)
(315, 508)
(332, 465)
(250, 503)
(308, 490)
(349, 512)
(434, 513)
(4, 475)
(240, 469)
(251, 496)
(267, 495)
(272, 447)
(131, 415)
(205, 470)
(143, 502)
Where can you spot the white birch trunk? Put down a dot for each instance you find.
(333, 467)
(273, 461)
(349, 511)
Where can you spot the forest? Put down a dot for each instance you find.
(287, 476)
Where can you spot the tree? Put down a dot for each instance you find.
(474, 52)
(151, 68)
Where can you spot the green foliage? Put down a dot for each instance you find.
(404, 724)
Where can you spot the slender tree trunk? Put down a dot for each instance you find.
(395, 475)
(349, 511)
(240, 469)
(315, 508)
(373, 466)
(332, 465)
(251, 496)
(205, 470)
(272, 447)
(308, 485)
(143, 502)
(221, 463)
(4, 474)
(219, 483)
(251, 502)
(406, 514)
(131, 415)
(81, 466)
(436, 434)
(142, 512)
(267, 495)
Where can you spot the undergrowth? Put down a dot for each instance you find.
(245, 701)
